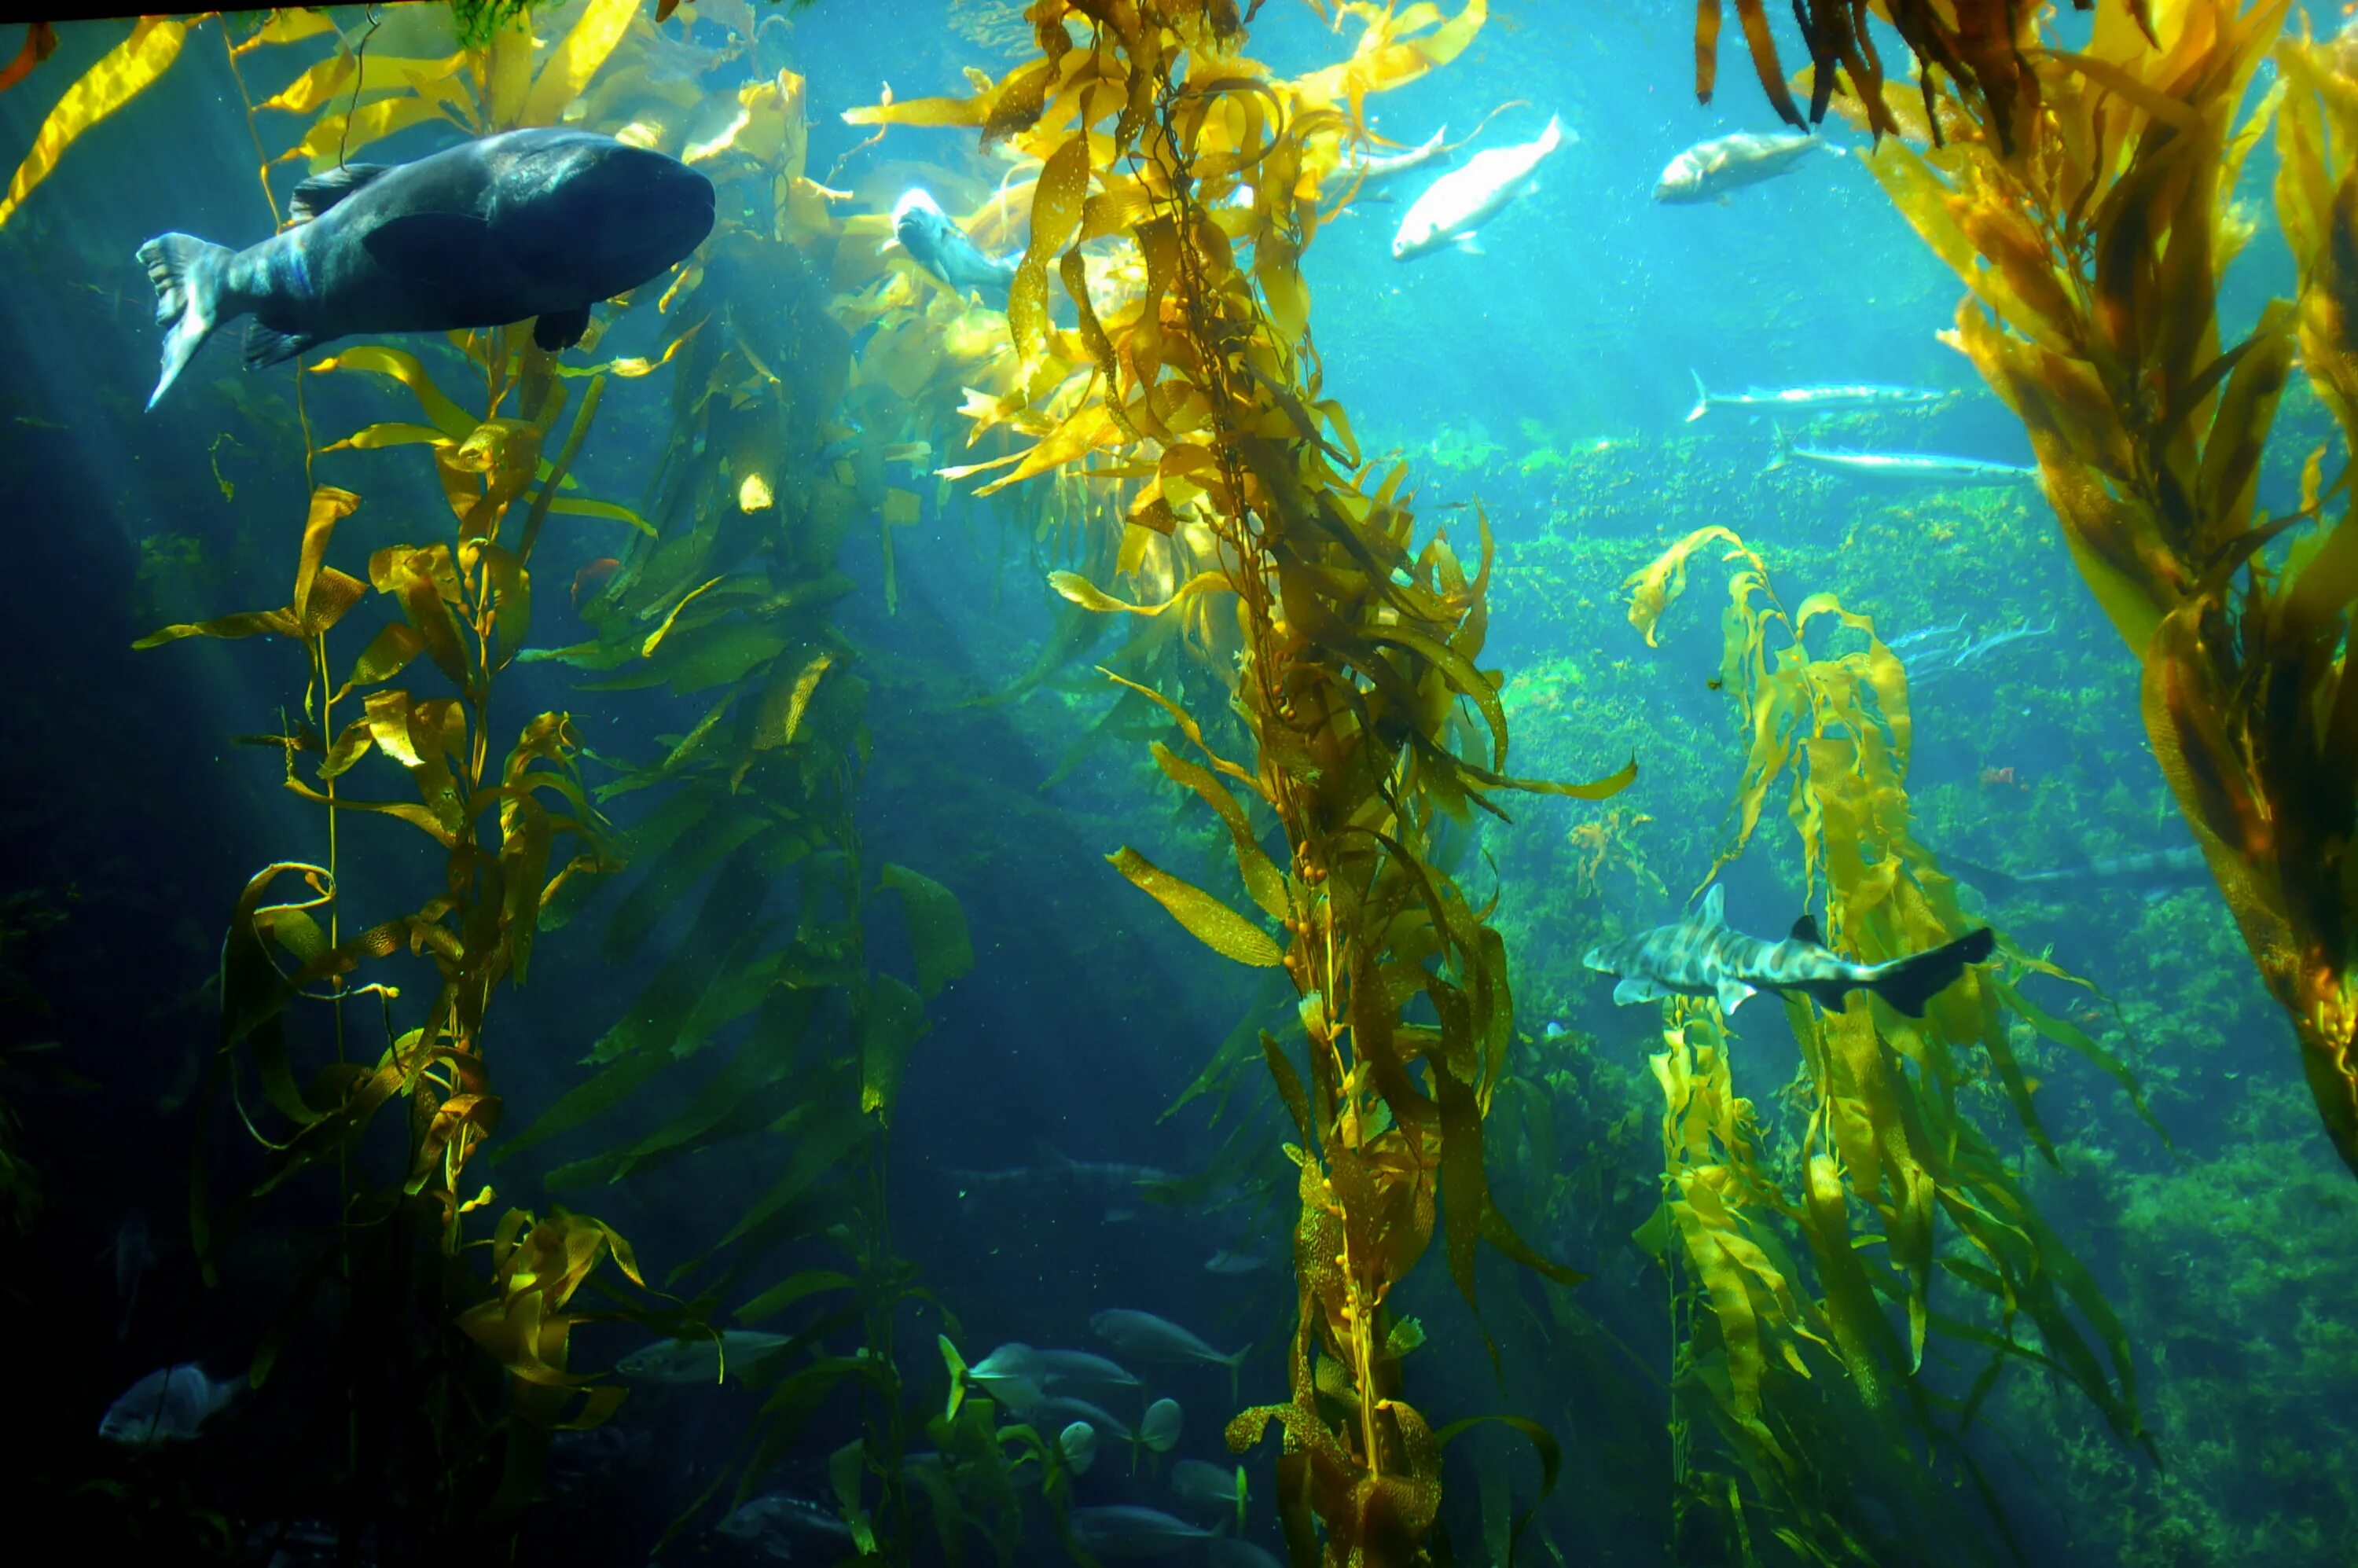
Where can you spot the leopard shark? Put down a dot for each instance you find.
(1702, 956)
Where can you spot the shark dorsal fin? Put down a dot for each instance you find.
(1714, 907)
(1806, 930)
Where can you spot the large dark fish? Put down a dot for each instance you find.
(1702, 956)
(935, 243)
(529, 223)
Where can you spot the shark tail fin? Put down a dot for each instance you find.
(1908, 984)
(188, 274)
(1703, 397)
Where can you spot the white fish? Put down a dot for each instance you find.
(1067, 1368)
(1078, 1444)
(1144, 1336)
(1129, 1532)
(1226, 1262)
(700, 1360)
(1707, 171)
(168, 1405)
(1903, 467)
(1374, 171)
(1159, 1428)
(1458, 204)
(1809, 399)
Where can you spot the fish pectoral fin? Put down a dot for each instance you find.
(269, 345)
(1635, 989)
(560, 328)
(1734, 993)
(426, 247)
(1470, 244)
(321, 191)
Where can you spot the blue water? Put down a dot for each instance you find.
(1549, 381)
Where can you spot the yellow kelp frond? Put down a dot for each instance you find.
(2094, 241)
(125, 72)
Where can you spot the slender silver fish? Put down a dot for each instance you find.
(1376, 170)
(1906, 467)
(1810, 399)
(2181, 866)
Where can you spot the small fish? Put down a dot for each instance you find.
(1010, 1374)
(1903, 465)
(539, 224)
(1809, 399)
(1066, 1407)
(1210, 1488)
(702, 1359)
(1702, 956)
(1158, 1429)
(1555, 1031)
(2000, 778)
(1708, 170)
(133, 1259)
(1146, 1337)
(592, 577)
(1455, 205)
(168, 1405)
(1226, 1262)
(2179, 867)
(1375, 170)
(1078, 1444)
(772, 1522)
(938, 244)
(1130, 1531)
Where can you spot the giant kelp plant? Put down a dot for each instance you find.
(1889, 1134)
(2087, 200)
(1351, 645)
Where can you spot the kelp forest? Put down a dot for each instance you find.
(1033, 860)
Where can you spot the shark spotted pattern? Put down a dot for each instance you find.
(1703, 956)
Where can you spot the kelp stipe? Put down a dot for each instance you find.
(1810, 1389)
(2094, 247)
(1346, 647)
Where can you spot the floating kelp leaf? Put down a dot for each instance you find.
(576, 60)
(321, 597)
(120, 75)
(937, 930)
(1206, 919)
(891, 1020)
(1262, 878)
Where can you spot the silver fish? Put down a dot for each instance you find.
(1454, 207)
(1702, 956)
(935, 243)
(2179, 867)
(1066, 1368)
(1078, 1444)
(1375, 170)
(1159, 1428)
(1906, 466)
(1130, 1531)
(1809, 399)
(1225, 1261)
(168, 1405)
(541, 223)
(1010, 1374)
(702, 1359)
(1708, 171)
(1146, 1337)
(1067, 1408)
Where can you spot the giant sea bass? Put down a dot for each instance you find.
(527, 223)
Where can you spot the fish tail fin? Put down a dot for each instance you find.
(1909, 984)
(188, 274)
(1553, 137)
(1784, 449)
(1236, 1368)
(1703, 397)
